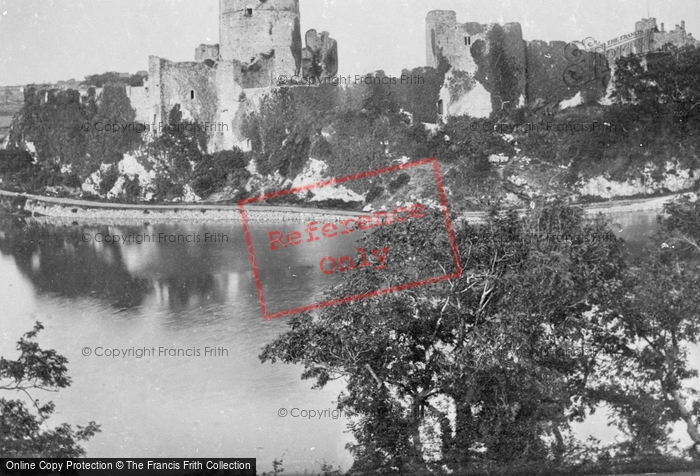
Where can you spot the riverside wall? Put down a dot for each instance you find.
(37, 206)
(67, 210)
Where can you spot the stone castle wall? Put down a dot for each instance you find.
(488, 63)
(320, 56)
(260, 40)
(548, 65)
(191, 85)
(250, 29)
(677, 37)
(492, 63)
(138, 96)
(206, 52)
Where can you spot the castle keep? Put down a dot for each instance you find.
(260, 42)
(492, 67)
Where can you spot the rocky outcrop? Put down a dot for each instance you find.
(671, 179)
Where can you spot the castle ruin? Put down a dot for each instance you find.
(260, 44)
(492, 67)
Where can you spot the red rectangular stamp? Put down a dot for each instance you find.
(300, 246)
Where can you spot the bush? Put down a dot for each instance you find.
(109, 178)
(213, 172)
(132, 190)
(165, 189)
(374, 193)
(72, 180)
(99, 80)
(398, 182)
(15, 161)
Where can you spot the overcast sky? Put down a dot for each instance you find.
(51, 40)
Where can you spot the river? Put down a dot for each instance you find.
(198, 297)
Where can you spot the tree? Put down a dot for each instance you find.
(177, 150)
(499, 348)
(100, 80)
(215, 171)
(24, 433)
(658, 318)
(681, 223)
(280, 133)
(668, 83)
(105, 146)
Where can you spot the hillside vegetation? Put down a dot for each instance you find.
(645, 142)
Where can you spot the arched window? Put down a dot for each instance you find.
(439, 107)
(249, 10)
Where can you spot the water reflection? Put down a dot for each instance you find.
(176, 296)
(69, 262)
(58, 262)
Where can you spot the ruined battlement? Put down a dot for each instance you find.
(645, 24)
(260, 41)
(452, 40)
(250, 29)
(492, 63)
(319, 58)
(488, 63)
(677, 37)
(206, 52)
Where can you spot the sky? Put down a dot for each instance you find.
(51, 40)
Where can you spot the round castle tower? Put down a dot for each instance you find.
(250, 29)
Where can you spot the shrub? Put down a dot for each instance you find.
(214, 171)
(374, 193)
(109, 178)
(164, 189)
(72, 180)
(398, 182)
(132, 189)
(15, 161)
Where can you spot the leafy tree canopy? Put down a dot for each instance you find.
(24, 431)
(508, 348)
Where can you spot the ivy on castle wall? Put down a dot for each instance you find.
(546, 69)
(54, 122)
(499, 70)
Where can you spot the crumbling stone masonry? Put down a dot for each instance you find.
(319, 59)
(488, 64)
(492, 67)
(260, 41)
(249, 29)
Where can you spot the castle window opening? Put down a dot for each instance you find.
(467, 40)
(192, 94)
(439, 107)
(249, 11)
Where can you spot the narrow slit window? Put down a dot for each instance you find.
(439, 107)
(192, 94)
